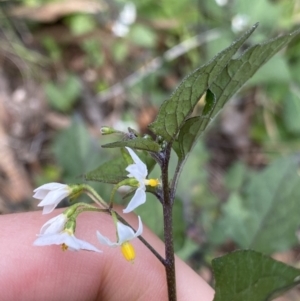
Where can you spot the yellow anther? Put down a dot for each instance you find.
(64, 247)
(128, 251)
(152, 182)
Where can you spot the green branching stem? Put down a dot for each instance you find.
(90, 209)
(175, 179)
(116, 187)
(91, 192)
(168, 226)
(130, 182)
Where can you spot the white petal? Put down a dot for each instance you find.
(50, 186)
(51, 239)
(126, 233)
(140, 228)
(134, 171)
(84, 245)
(43, 191)
(138, 199)
(141, 165)
(40, 194)
(105, 241)
(48, 208)
(71, 241)
(76, 244)
(54, 225)
(52, 199)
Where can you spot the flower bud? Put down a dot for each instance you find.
(106, 130)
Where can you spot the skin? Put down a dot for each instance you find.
(46, 273)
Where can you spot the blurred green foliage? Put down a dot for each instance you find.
(63, 96)
(274, 126)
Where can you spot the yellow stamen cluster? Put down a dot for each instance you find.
(64, 247)
(128, 251)
(152, 182)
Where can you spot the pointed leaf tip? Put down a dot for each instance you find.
(136, 143)
(175, 110)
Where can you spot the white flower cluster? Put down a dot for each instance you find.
(60, 229)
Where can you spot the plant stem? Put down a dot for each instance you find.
(175, 179)
(168, 227)
(169, 249)
(91, 192)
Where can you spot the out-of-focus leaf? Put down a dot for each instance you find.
(75, 150)
(265, 11)
(251, 276)
(137, 143)
(179, 106)
(151, 214)
(52, 47)
(142, 36)
(187, 249)
(94, 52)
(231, 78)
(120, 51)
(81, 24)
(179, 226)
(64, 95)
(274, 71)
(234, 215)
(270, 207)
(236, 176)
(291, 111)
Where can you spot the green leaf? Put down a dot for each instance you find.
(232, 77)
(112, 172)
(180, 105)
(152, 215)
(63, 96)
(234, 215)
(291, 111)
(75, 150)
(241, 69)
(275, 71)
(251, 276)
(148, 160)
(81, 24)
(266, 216)
(179, 225)
(193, 127)
(142, 36)
(136, 143)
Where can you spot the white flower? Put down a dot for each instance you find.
(126, 18)
(51, 194)
(125, 234)
(139, 171)
(55, 225)
(67, 240)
